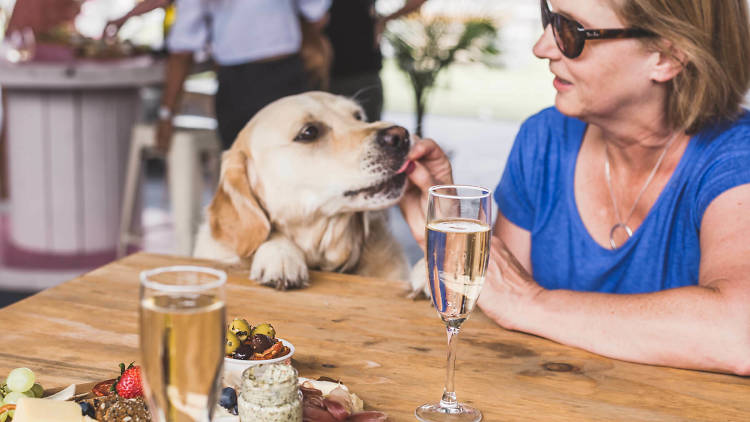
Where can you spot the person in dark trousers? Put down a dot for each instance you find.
(354, 30)
(255, 45)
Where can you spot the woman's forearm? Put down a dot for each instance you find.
(690, 327)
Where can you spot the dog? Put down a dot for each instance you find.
(305, 186)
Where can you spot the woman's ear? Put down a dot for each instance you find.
(235, 217)
(669, 62)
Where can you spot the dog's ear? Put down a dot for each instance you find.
(235, 217)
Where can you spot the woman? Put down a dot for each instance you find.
(628, 204)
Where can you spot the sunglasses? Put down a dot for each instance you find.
(570, 35)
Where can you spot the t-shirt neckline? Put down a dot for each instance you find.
(580, 226)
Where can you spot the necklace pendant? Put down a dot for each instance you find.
(612, 231)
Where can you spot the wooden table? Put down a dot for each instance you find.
(390, 350)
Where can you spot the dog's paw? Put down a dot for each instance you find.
(279, 263)
(418, 281)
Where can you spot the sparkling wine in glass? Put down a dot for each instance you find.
(182, 317)
(458, 248)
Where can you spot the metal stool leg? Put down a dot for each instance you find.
(184, 184)
(141, 139)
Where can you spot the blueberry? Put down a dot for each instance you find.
(87, 409)
(228, 399)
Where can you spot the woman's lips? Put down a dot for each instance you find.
(561, 84)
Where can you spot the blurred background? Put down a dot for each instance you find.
(71, 101)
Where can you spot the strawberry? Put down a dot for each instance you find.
(128, 384)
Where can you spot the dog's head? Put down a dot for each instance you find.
(301, 158)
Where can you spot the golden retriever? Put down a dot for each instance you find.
(305, 185)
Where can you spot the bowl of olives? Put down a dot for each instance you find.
(248, 346)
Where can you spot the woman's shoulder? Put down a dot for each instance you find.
(722, 142)
(720, 161)
(728, 135)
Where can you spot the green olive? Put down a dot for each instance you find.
(265, 329)
(38, 390)
(232, 343)
(240, 328)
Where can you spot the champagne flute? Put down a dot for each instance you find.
(458, 249)
(182, 317)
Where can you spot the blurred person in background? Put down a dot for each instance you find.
(624, 210)
(355, 30)
(143, 7)
(42, 15)
(255, 45)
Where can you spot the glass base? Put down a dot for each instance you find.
(436, 413)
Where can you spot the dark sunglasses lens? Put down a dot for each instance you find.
(567, 36)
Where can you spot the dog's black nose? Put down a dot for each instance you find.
(394, 137)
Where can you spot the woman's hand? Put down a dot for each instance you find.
(508, 287)
(431, 167)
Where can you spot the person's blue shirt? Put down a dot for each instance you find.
(242, 31)
(536, 193)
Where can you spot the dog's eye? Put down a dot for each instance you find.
(359, 116)
(309, 132)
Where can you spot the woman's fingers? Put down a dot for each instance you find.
(421, 177)
(424, 148)
(508, 288)
(429, 166)
(433, 160)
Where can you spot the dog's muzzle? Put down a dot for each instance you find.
(394, 140)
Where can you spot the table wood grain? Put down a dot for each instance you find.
(390, 350)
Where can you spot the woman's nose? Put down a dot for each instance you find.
(545, 47)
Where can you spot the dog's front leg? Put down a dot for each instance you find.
(279, 263)
(418, 280)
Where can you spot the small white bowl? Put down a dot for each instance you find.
(233, 368)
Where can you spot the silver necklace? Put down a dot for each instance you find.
(623, 224)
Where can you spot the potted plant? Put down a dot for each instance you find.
(424, 46)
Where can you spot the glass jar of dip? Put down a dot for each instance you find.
(270, 393)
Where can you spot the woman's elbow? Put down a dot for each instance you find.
(732, 349)
(740, 364)
(738, 356)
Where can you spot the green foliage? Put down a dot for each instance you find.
(423, 48)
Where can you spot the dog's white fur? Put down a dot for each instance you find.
(281, 206)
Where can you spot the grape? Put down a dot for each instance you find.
(38, 390)
(12, 397)
(20, 380)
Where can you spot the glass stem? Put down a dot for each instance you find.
(449, 393)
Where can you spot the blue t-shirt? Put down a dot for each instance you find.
(536, 194)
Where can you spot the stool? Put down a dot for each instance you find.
(193, 136)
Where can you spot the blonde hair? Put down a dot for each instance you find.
(714, 36)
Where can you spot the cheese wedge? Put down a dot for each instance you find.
(43, 410)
